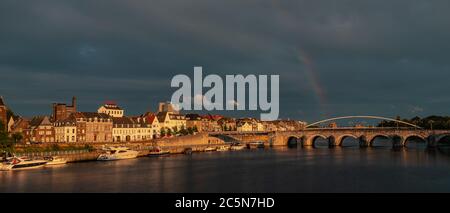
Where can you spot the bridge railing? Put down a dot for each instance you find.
(362, 128)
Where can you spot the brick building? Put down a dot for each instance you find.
(93, 127)
(22, 125)
(62, 111)
(3, 113)
(40, 130)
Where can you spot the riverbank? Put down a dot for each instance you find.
(73, 156)
(76, 152)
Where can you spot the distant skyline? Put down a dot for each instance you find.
(334, 58)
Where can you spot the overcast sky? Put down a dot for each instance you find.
(334, 58)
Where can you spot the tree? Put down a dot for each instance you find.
(190, 130)
(17, 137)
(438, 122)
(163, 132)
(183, 131)
(6, 144)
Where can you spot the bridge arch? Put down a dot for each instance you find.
(443, 139)
(408, 138)
(293, 141)
(362, 116)
(311, 140)
(371, 140)
(340, 139)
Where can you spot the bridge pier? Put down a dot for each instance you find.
(397, 142)
(332, 142)
(308, 142)
(363, 142)
(432, 142)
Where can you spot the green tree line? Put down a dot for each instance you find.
(6, 142)
(430, 122)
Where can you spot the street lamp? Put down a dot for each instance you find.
(431, 124)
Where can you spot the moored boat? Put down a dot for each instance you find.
(258, 144)
(223, 148)
(54, 160)
(238, 147)
(158, 152)
(117, 153)
(210, 149)
(21, 163)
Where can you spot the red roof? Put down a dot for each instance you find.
(150, 117)
(110, 103)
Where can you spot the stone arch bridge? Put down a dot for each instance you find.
(365, 136)
(399, 136)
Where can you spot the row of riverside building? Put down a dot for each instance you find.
(110, 124)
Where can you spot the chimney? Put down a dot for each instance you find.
(74, 103)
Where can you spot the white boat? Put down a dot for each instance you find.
(21, 163)
(223, 148)
(55, 160)
(117, 153)
(258, 145)
(238, 147)
(210, 149)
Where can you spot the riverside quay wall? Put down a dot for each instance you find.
(196, 142)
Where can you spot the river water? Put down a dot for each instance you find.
(348, 169)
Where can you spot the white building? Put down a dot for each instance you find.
(126, 129)
(170, 120)
(250, 125)
(112, 110)
(66, 130)
(244, 127)
(152, 120)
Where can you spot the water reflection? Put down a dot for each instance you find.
(307, 169)
(444, 145)
(444, 150)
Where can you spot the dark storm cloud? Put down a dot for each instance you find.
(333, 57)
